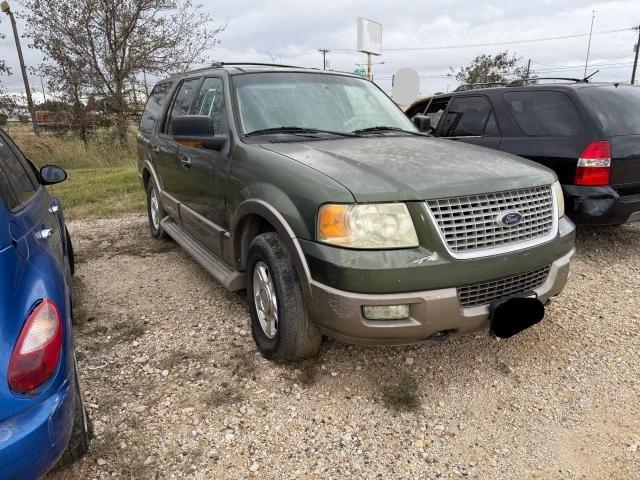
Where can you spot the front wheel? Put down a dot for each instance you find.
(280, 323)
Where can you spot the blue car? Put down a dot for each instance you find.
(43, 421)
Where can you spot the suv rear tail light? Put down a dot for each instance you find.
(594, 165)
(37, 352)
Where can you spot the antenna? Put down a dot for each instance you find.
(586, 79)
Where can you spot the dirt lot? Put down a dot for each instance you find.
(176, 390)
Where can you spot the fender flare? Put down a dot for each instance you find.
(283, 229)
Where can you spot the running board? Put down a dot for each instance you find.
(227, 276)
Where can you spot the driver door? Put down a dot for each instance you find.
(203, 206)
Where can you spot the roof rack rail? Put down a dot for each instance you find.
(474, 86)
(239, 64)
(526, 81)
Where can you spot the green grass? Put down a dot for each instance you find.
(101, 192)
(102, 176)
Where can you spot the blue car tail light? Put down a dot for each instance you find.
(37, 352)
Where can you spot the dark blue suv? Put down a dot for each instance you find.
(43, 420)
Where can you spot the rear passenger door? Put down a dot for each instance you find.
(470, 119)
(34, 211)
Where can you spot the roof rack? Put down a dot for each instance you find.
(252, 64)
(525, 81)
(474, 86)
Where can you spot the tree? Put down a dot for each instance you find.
(6, 102)
(112, 42)
(499, 68)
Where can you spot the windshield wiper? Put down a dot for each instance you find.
(298, 130)
(383, 128)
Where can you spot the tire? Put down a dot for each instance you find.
(82, 430)
(155, 227)
(295, 335)
(72, 262)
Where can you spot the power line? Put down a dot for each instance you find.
(491, 44)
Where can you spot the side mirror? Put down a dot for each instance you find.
(196, 131)
(422, 122)
(51, 174)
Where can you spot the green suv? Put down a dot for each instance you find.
(313, 192)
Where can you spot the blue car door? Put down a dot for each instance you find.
(39, 215)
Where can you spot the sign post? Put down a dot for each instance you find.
(369, 41)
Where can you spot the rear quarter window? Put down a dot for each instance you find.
(545, 113)
(154, 107)
(616, 108)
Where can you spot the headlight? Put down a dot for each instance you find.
(559, 198)
(367, 226)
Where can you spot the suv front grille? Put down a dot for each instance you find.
(484, 293)
(469, 224)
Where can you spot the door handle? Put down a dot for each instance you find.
(44, 234)
(155, 148)
(186, 162)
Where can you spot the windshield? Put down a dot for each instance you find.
(314, 100)
(617, 108)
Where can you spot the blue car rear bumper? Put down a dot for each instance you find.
(32, 441)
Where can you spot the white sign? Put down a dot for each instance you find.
(405, 87)
(369, 36)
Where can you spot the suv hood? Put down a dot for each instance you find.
(377, 169)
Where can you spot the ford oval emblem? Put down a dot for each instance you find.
(509, 219)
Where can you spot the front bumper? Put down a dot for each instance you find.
(600, 205)
(339, 313)
(32, 441)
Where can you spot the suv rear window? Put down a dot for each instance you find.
(545, 113)
(617, 108)
(154, 105)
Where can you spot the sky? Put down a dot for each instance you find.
(429, 36)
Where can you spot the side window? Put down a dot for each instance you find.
(469, 117)
(545, 113)
(210, 102)
(154, 106)
(181, 102)
(6, 193)
(435, 110)
(16, 174)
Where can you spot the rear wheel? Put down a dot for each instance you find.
(280, 322)
(155, 211)
(82, 431)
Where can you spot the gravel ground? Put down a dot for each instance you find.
(176, 390)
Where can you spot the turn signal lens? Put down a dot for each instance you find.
(559, 198)
(37, 352)
(594, 165)
(367, 226)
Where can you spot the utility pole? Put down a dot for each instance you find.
(528, 70)
(635, 62)
(44, 94)
(324, 52)
(4, 6)
(586, 63)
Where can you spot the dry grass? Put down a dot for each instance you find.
(69, 152)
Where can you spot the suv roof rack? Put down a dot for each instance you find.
(252, 64)
(527, 81)
(473, 86)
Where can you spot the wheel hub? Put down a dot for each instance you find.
(265, 299)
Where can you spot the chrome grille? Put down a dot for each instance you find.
(484, 293)
(469, 224)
